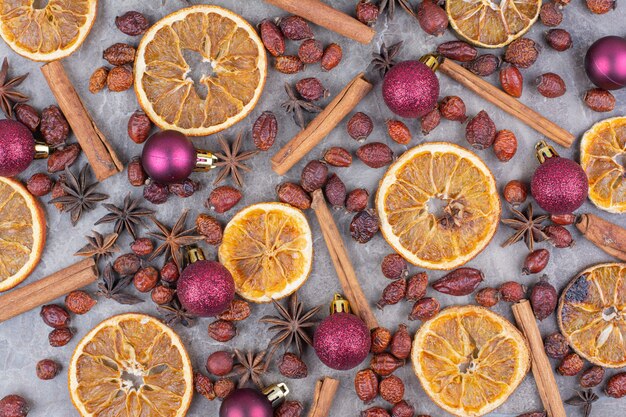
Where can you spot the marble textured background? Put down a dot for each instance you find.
(23, 340)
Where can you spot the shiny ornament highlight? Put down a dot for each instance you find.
(605, 62)
(248, 402)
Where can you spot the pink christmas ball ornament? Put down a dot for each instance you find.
(246, 402)
(17, 147)
(410, 89)
(605, 62)
(168, 156)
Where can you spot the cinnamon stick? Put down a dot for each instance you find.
(339, 255)
(47, 289)
(100, 154)
(332, 19)
(322, 125)
(325, 391)
(507, 103)
(608, 236)
(542, 370)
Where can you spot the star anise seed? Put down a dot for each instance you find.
(112, 285)
(231, 160)
(528, 227)
(250, 367)
(81, 196)
(127, 217)
(296, 106)
(173, 239)
(385, 59)
(8, 95)
(389, 6)
(584, 399)
(174, 313)
(99, 246)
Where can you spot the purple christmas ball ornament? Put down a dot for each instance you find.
(168, 156)
(17, 148)
(411, 89)
(605, 62)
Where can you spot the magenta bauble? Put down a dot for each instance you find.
(559, 185)
(411, 89)
(205, 288)
(17, 147)
(342, 341)
(246, 402)
(605, 62)
(168, 156)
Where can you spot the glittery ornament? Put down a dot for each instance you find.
(17, 147)
(605, 62)
(248, 402)
(559, 185)
(411, 89)
(342, 340)
(169, 156)
(205, 288)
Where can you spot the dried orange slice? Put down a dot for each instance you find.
(216, 47)
(131, 365)
(592, 314)
(22, 233)
(268, 249)
(492, 24)
(469, 360)
(438, 205)
(46, 33)
(603, 157)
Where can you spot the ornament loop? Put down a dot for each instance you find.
(195, 254)
(545, 151)
(276, 393)
(432, 61)
(42, 151)
(205, 160)
(339, 305)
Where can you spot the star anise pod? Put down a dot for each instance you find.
(99, 246)
(389, 6)
(80, 196)
(8, 95)
(528, 227)
(291, 324)
(231, 160)
(584, 399)
(174, 313)
(112, 286)
(173, 239)
(296, 106)
(127, 217)
(385, 59)
(250, 367)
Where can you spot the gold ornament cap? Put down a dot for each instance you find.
(545, 151)
(339, 305)
(432, 61)
(42, 151)
(194, 254)
(276, 393)
(205, 160)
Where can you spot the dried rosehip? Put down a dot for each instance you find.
(394, 266)
(484, 65)
(366, 385)
(60, 337)
(480, 132)
(223, 388)
(401, 343)
(120, 78)
(127, 264)
(119, 54)
(332, 56)
(392, 389)
(292, 367)
(273, 39)
(79, 302)
(381, 337)
(136, 174)
(616, 386)
(63, 157)
(337, 157)
(162, 295)
(505, 145)
(416, 286)
(384, 364)
(264, 131)
(169, 272)
(356, 200)
(222, 330)
(335, 191)
(98, 80)
(223, 198)
(14, 406)
(403, 409)
(375, 412)
(535, 261)
(39, 184)
(55, 316)
(58, 191)
(209, 228)
(360, 126)
(364, 226)
(132, 23)
(522, 52)
(556, 346)
(53, 126)
(453, 108)
(293, 194)
(375, 154)
(311, 89)
(313, 176)
(139, 126)
(220, 363)
(592, 377)
(457, 51)
(289, 409)
(47, 369)
(430, 121)
(432, 18)
(599, 100)
(27, 115)
(551, 14)
(392, 294)
(488, 297)
(559, 39)
(295, 28)
(311, 51)
(146, 279)
(398, 132)
(367, 12)
(601, 6)
(559, 236)
(563, 219)
(425, 309)
(543, 298)
(570, 365)
(461, 281)
(239, 310)
(511, 80)
(142, 246)
(203, 386)
(512, 291)
(185, 188)
(515, 192)
(550, 85)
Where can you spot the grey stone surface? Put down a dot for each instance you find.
(23, 340)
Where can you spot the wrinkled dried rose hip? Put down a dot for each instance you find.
(289, 409)
(98, 80)
(381, 338)
(146, 279)
(551, 14)
(457, 51)
(480, 132)
(511, 80)
(119, 54)
(550, 85)
(488, 297)
(295, 28)
(223, 387)
(222, 330)
(367, 12)
(272, 37)
(432, 18)
(571, 365)
(424, 309)
(293, 194)
(185, 188)
(264, 131)
(139, 126)
(543, 299)
(142, 246)
(384, 364)
(337, 157)
(39, 184)
(136, 174)
(364, 226)
(14, 406)
(515, 192)
(311, 51)
(592, 377)
(559, 39)
(599, 100)
(239, 310)
(416, 286)
(203, 386)
(292, 367)
(404, 409)
(220, 363)
(394, 266)
(484, 65)
(46, 370)
(60, 337)
(132, 23)
(223, 198)
(79, 302)
(616, 386)
(357, 200)
(556, 346)
(127, 264)
(162, 295)
(120, 78)
(398, 132)
(335, 191)
(512, 291)
(453, 108)
(332, 56)
(209, 228)
(311, 89)
(55, 316)
(375, 412)
(392, 294)
(375, 154)
(169, 272)
(401, 343)
(461, 281)
(505, 145)
(360, 126)
(63, 157)
(522, 52)
(366, 385)
(27, 115)
(313, 176)
(53, 126)
(430, 121)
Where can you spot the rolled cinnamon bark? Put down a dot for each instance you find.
(608, 236)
